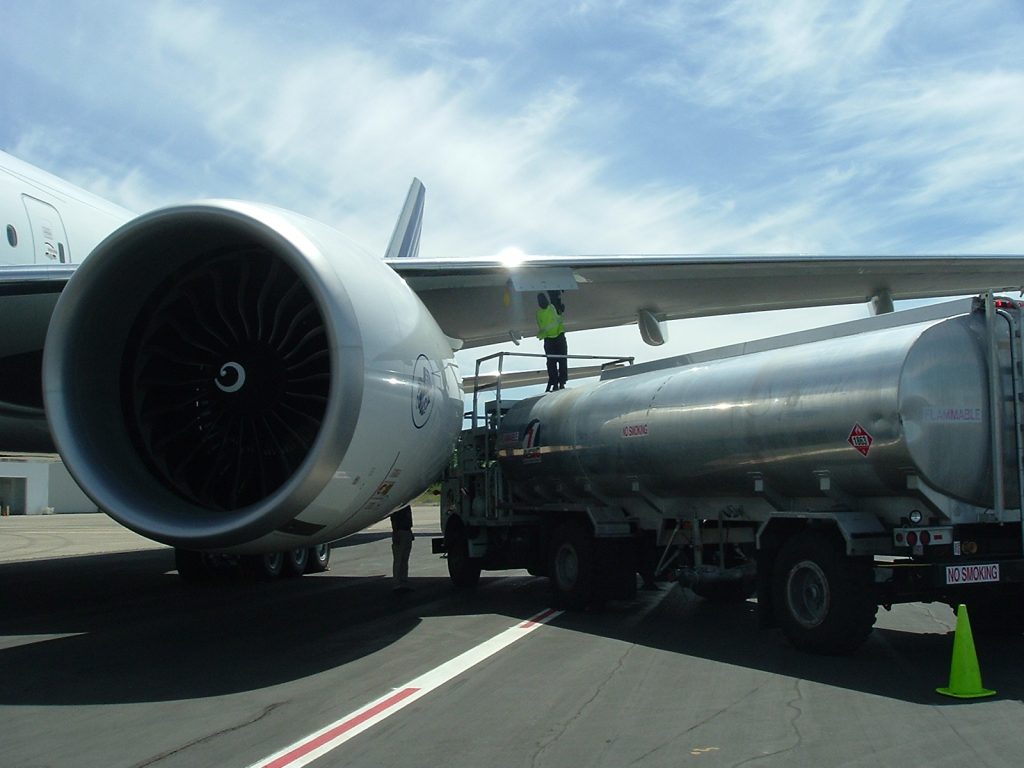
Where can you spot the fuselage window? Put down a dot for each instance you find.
(12, 236)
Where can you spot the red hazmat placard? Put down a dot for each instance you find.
(860, 439)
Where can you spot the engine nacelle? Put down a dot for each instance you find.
(231, 376)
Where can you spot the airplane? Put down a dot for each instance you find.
(229, 377)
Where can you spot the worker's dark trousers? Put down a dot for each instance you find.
(558, 367)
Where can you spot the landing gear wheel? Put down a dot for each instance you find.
(296, 561)
(824, 600)
(319, 558)
(265, 567)
(463, 570)
(572, 567)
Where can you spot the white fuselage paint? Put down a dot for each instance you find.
(84, 218)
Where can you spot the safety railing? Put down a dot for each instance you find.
(502, 380)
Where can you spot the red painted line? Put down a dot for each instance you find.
(540, 618)
(304, 749)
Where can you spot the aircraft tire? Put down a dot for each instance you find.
(319, 559)
(824, 600)
(296, 561)
(265, 567)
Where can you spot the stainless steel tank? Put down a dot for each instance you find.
(869, 409)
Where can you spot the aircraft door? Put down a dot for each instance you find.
(48, 234)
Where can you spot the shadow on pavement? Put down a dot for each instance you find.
(123, 628)
(892, 663)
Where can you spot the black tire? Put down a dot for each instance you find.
(463, 570)
(296, 561)
(824, 600)
(319, 558)
(193, 567)
(265, 567)
(571, 567)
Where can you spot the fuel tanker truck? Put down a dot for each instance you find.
(828, 472)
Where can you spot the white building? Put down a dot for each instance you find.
(37, 485)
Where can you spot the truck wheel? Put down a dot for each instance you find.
(296, 561)
(463, 570)
(571, 567)
(319, 559)
(824, 601)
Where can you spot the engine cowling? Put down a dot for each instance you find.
(224, 375)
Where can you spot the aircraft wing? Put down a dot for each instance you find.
(483, 301)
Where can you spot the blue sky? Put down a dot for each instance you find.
(572, 128)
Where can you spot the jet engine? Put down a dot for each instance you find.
(230, 376)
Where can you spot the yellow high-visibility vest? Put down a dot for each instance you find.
(549, 323)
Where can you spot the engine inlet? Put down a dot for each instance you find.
(226, 378)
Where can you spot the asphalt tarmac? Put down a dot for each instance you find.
(107, 659)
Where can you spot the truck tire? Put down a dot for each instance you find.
(319, 559)
(463, 570)
(571, 567)
(824, 600)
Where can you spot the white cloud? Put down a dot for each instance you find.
(752, 52)
(795, 126)
(349, 124)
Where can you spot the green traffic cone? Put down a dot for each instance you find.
(964, 674)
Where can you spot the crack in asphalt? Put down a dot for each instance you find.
(717, 713)
(171, 752)
(791, 704)
(947, 625)
(543, 747)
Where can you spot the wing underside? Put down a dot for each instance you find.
(484, 301)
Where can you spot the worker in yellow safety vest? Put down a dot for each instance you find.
(551, 330)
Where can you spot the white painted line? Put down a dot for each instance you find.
(318, 744)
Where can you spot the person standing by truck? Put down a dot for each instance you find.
(551, 330)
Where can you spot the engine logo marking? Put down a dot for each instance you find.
(225, 376)
(422, 391)
(860, 439)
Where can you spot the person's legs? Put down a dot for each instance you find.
(401, 547)
(550, 348)
(562, 347)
